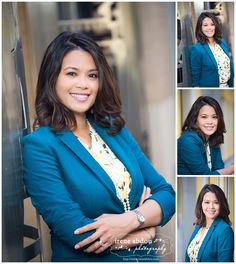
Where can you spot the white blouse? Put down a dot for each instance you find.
(195, 245)
(208, 153)
(223, 63)
(112, 166)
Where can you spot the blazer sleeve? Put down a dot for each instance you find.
(191, 153)
(218, 161)
(231, 80)
(196, 65)
(45, 185)
(162, 191)
(226, 245)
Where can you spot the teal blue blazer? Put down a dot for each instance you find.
(204, 66)
(70, 189)
(218, 244)
(192, 158)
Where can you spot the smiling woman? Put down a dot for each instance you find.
(85, 173)
(211, 64)
(199, 144)
(213, 238)
(77, 87)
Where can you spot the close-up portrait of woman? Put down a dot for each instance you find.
(211, 63)
(205, 44)
(213, 238)
(199, 144)
(85, 177)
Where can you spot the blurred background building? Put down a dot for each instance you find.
(187, 15)
(139, 42)
(225, 97)
(188, 191)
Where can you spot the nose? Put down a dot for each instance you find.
(81, 82)
(212, 205)
(209, 121)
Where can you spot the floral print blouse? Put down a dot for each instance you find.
(112, 166)
(195, 245)
(208, 153)
(223, 63)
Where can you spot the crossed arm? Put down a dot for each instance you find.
(64, 215)
(122, 231)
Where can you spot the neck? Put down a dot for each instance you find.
(209, 222)
(81, 121)
(211, 41)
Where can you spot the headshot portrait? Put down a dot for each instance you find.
(205, 232)
(205, 49)
(84, 171)
(205, 126)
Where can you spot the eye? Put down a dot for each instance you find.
(215, 117)
(73, 74)
(93, 75)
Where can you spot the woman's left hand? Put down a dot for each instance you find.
(109, 228)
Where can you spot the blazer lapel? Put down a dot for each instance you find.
(194, 233)
(125, 155)
(210, 54)
(224, 49)
(206, 239)
(70, 140)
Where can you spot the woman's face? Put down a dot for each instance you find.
(210, 206)
(208, 27)
(77, 83)
(207, 120)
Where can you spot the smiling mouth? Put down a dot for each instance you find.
(209, 127)
(80, 97)
(211, 212)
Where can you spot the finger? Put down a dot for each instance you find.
(102, 216)
(148, 192)
(102, 249)
(95, 246)
(88, 240)
(86, 228)
(142, 196)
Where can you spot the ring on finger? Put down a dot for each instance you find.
(101, 243)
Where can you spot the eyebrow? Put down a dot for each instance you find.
(209, 200)
(76, 69)
(208, 114)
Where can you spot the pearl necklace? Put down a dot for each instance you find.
(112, 165)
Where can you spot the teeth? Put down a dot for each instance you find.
(80, 96)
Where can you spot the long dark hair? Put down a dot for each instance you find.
(190, 123)
(200, 35)
(106, 110)
(224, 207)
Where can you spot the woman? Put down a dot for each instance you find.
(199, 144)
(211, 63)
(85, 173)
(213, 238)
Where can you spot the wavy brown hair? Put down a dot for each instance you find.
(190, 123)
(224, 207)
(200, 36)
(106, 110)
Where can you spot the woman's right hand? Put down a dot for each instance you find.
(146, 194)
(227, 170)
